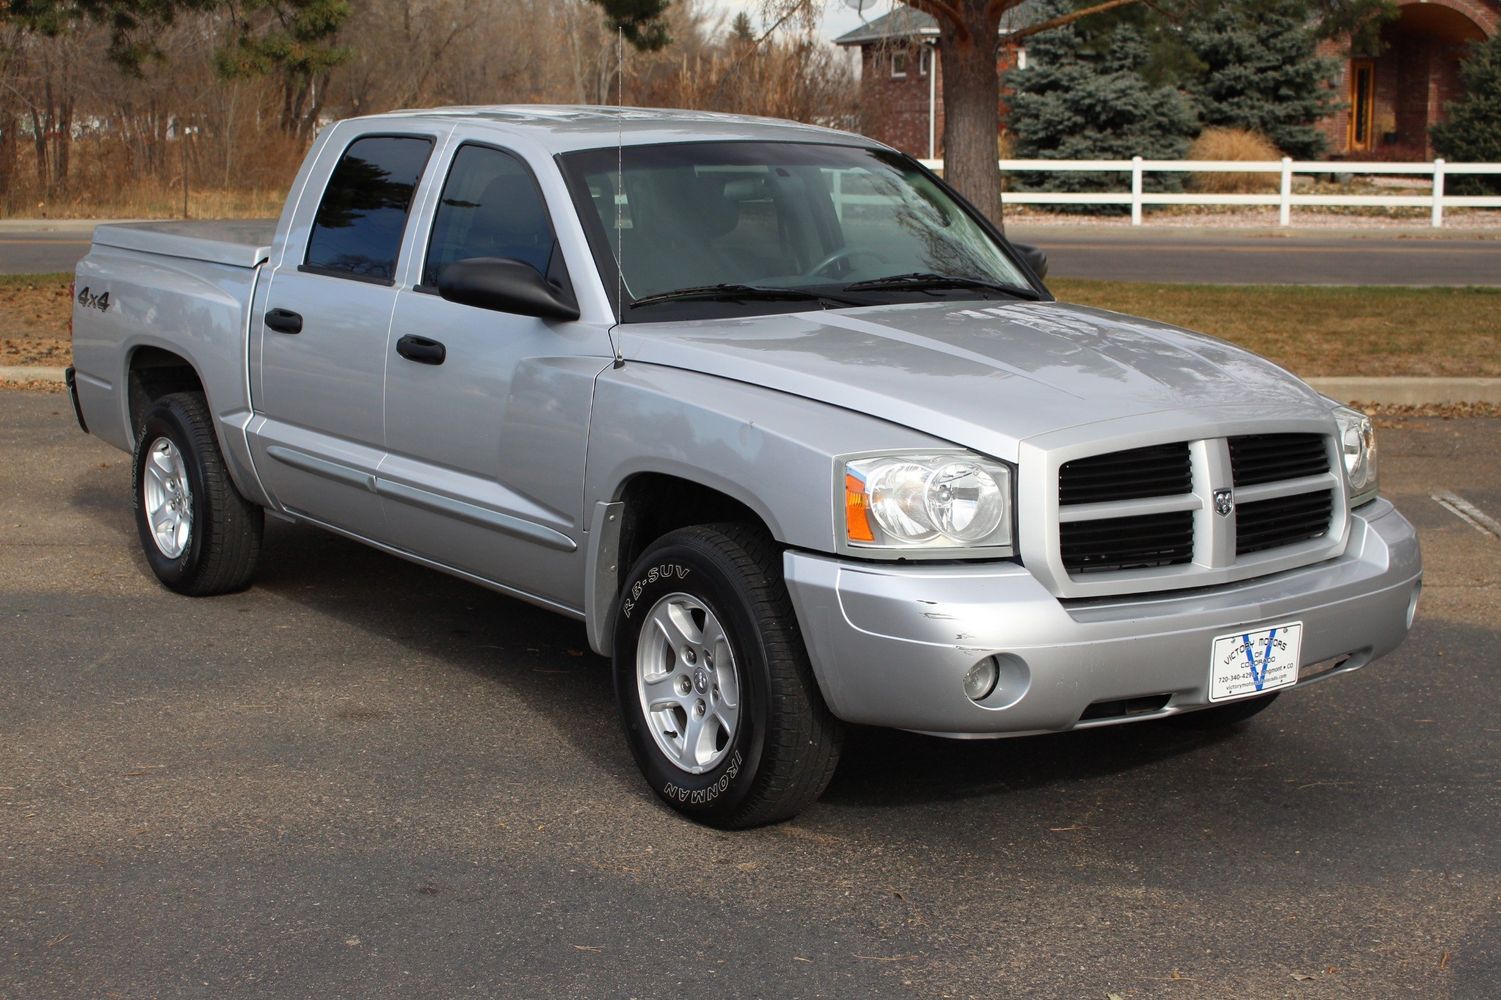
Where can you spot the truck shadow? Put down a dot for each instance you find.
(545, 658)
(446, 624)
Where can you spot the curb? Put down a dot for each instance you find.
(30, 373)
(1388, 391)
(1410, 391)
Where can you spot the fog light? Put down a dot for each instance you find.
(980, 680)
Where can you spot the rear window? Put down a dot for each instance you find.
(357, 231)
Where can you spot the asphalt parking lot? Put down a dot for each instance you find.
(361, 778)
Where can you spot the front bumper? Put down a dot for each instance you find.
(891, 643)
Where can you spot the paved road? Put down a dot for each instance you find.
(43, 248)
(363, 779)
(1306, 257)
(1108, 252)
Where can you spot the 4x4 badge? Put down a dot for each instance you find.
(1224, 502)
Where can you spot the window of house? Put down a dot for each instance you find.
(925, 61)
(1021, 58)
(898, 65)
(357, 230)
(491, 207)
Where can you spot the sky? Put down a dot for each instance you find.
(838, 17)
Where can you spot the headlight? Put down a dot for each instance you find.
(933, 502)
(1357, 446)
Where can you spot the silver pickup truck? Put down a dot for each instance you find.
(791, 428)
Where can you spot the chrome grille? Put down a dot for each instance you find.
(1121, 543)
(1269, 524)
(1268, 458)
(1161, 470)
(1190, 513)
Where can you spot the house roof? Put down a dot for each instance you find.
(904, 22)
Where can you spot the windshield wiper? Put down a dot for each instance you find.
(737, 293)
(924, 280)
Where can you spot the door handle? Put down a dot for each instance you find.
(284, 321)
(421, 350)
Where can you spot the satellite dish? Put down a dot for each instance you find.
(860, 6)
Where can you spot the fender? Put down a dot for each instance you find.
(771, 451)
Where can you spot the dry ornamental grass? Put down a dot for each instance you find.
(1233, 144)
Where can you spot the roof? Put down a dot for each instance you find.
(904, 22)
(561, 128)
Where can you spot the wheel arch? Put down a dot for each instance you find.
(646, 505)
(154, 368)
(152, 372)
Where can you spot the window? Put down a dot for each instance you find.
(776, 215)
(925, 61)
(898, 65)
(357, 231)
(1362, 100)
(491, 207)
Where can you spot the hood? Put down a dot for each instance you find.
(981, 375)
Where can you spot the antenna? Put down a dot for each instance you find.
(619, 191)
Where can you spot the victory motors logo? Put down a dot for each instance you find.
(1224, 502)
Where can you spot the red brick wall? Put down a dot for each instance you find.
(895, 110)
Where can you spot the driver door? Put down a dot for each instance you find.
(487, 421)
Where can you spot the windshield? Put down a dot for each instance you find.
(772, 226)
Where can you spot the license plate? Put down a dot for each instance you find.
(1247, 663)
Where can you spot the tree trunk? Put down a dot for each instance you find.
(39, 141)
(971, 119)
(9, 131)
(63, 144)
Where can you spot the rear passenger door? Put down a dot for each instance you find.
(486, 431)
(318, 340)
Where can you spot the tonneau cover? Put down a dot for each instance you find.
(238, 243)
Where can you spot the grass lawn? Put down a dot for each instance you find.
(1321, 330)
(1311, 330)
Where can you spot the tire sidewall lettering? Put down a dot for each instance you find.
(706, 795)
(653, 574)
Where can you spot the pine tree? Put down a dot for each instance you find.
(1087, 98)
(1471, 130)
(640, 21)
(1262, 72)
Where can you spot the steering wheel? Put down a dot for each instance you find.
(844, 253)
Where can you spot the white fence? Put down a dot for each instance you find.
(1285, 200)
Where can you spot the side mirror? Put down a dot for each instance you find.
(504, 285)
(1035, 258)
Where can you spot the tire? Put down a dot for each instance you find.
(767, 744)
(210, 536)
(1223, 716)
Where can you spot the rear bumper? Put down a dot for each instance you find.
(891, 644)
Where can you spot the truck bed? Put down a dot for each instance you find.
(238, 243)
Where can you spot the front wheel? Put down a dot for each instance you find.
(718, 698)
(199, 534)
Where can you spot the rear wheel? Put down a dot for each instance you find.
(1221, 716)
(200, 536)
(718, 698)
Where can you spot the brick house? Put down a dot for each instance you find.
(1391, 97)
(901, 75)
(1388, 98)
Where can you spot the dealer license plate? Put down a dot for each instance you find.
(1247, 663)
